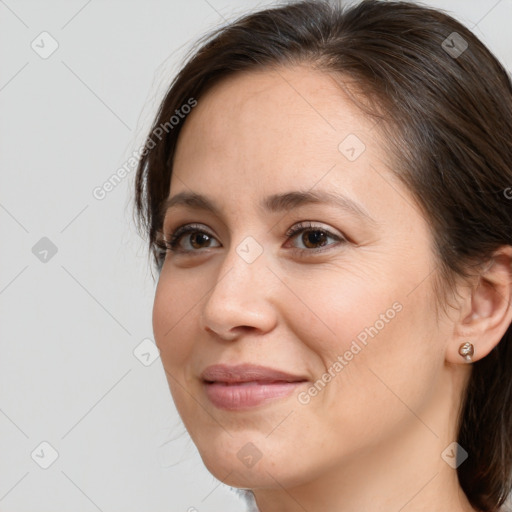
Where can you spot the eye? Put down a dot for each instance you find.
(312, 237)
(200, 239)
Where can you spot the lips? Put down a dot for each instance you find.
(246, 385)
(247, 373)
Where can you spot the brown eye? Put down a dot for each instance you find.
(196, 237)
(313, 238)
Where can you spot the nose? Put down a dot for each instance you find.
(242, 297)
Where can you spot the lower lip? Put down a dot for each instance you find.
(245, 395)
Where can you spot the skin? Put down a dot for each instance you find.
(373, 437)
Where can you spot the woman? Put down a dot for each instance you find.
(329, 205)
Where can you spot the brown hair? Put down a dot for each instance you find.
(444, 104)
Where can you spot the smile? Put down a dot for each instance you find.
(246, 385)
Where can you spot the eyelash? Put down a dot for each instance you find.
(175, 237)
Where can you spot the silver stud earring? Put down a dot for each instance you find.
(466, 350)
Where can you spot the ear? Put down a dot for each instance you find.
(486, 311)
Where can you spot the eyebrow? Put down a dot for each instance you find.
(273, 204)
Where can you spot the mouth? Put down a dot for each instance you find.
(246, 386)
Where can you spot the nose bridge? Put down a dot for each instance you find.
(242, 270)
(240, 295)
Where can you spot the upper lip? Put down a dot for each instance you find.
(247, 373)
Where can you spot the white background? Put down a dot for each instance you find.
(69, 326)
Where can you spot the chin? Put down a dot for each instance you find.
(246, 468)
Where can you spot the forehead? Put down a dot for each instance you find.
(270, 118)
(265, 133)
(262, 133)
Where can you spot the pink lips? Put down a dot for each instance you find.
(246, 385)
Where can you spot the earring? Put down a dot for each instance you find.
(466, 350)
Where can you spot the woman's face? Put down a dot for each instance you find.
(344, 305)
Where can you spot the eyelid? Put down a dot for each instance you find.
(306, 225)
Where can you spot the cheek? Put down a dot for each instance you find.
(173, 312)
(332, 315)
(375, 349)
